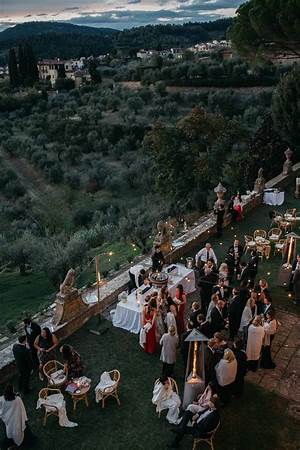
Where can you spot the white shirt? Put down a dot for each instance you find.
(202, 255)
(226, 372)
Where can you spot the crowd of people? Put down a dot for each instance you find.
(34, 348)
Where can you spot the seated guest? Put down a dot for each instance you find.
(13, 414)
(217, 321)
(169, 342)
(241, 358)
(149, 315)
(224, 273)
(256, 334)
(206, 284)
(204, 255)
(201, 424)
(226, 370)
(72, 362)
(221, 290)
(165, 398)
(212, 304)
(195, 311)
(203, 325)
(202, 403)
(45, 345)
(158, 259)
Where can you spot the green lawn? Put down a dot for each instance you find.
(257, 421)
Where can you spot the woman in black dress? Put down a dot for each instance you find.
(45, 345)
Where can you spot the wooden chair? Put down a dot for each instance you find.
(174, 388)
(279, 247)
(49, 369)
(291, 212)
(50, 410)
(209, 440)
(260, 233)
(250, 244)
(112, 391)
(274, 234)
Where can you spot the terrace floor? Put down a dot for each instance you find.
(260, 419)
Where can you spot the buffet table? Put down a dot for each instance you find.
(129, 311)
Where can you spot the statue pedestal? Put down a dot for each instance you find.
(67, 307)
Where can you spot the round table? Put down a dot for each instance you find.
(265, 244)
(82, 395)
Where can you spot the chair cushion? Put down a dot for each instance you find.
(57, 377)
(251, 243)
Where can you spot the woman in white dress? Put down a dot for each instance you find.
(171, 317)
(165, 398)
(13, 414)
(255, 339)
(249, 312)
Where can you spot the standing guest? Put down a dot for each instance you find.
(256, 334)
(226, 370)
(224, 273)
(270, 327)
(164, 397)
(237, 250)
(238, 206)
(72, 362)
(45, 345)
(202, 423)
(212, 304)
(13, 414)
(210, 361)
(295, 266)
(244, 272)
(241, 358)
(221, 290)
(184, 346)
(149, 315)
(234, 314)
(296, 287)
(204, 255)
(233, 212)
(24, 363)
(32, 330)
(252, 267)
(262, 288)
(180, 301)
(203, 325)
(219, 211)
(244, 293)
(169, 343)
(195, 311)
(264, 305)
(158, 259)
(230, 261)
(206, 284)
(136, 276)
(218, 322)
(249, 312)
(171, 317)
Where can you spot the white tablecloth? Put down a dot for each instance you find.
(274, 198)
(129, 315)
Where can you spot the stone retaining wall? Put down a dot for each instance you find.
(110, 291)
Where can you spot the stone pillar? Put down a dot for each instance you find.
(68, 307)
(220, 190)
(288, 165)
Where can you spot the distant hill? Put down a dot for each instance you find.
(64, 40)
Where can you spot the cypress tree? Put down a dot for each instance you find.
(13, 68)
(22, 64)
(32, 73)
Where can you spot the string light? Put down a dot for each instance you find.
(289, 295)
(268, 273)
(110, 253)
(221, 243)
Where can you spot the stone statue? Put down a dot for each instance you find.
(163, 237)
(260, 182)
(66, 286)
(288, 164)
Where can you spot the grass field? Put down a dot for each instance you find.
(257, 421)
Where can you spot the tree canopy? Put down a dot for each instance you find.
(267, 26)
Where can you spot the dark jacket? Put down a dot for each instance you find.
(235, 312)
(241, 359)
(35, 331)
(226, 292)
(157, 261)
(216, 320)
(23, 358)
(207, 425)
(193, 318)
(240, 251)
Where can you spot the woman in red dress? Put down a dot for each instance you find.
(180, 300)
(149, 318)
(238, 207)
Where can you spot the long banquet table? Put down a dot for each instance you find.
(128, 314)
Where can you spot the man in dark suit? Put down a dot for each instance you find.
(221, 290)
(210, 361)
(234, 314)
(237, 250)
(253, 267)
(158, 259)
(230, 261)
(32, 330)
(194, 314)
(24, 363)
(217, 319)
(203, 423)
(206, 284)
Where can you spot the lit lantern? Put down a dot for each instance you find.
(290, 254)
(195, 369)
(189, 262)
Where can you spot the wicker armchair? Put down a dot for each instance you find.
(49, 369)
(209, 440)
(260, 233)
(274, 234)
(50, 410)
(279, 247)
(112, 391)
(250, 244)
(291, 212)
(174, 388)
